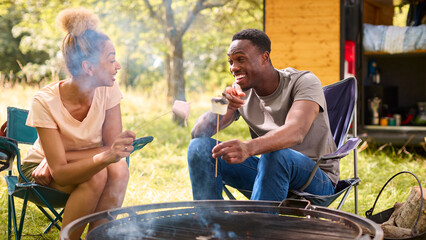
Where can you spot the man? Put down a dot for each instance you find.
(287, 116)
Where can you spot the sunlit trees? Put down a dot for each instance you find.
(181, 43)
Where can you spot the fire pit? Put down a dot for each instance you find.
(212, 219)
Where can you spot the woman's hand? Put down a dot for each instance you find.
(42, 174)
(122, 146)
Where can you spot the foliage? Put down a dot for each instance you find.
(14, 50)
(207, 70)
(30, 43)
(400, 16)
(138, 39)
(159, 172)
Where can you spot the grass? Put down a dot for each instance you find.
(159, 172)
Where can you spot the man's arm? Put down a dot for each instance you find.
(206, 125)
(298, 122)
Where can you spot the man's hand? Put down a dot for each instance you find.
(42, 174)
(234, 96)
(233, 151)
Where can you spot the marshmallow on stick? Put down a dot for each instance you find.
(182, 109)
(219, 105)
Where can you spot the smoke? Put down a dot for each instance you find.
(215, 228)
(201, 168)
(221, 234)
(201, 225)
(209, 120)
(130, 231)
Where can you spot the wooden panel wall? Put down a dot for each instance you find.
(378, 12)
(305, 34)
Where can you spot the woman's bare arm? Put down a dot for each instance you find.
(68, 168)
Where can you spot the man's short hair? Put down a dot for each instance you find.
(257, 37)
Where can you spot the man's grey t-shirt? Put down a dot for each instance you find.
(265, 113)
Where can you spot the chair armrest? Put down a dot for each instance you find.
(343, 151)
(8, 151)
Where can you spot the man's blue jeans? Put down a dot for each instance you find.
(269, 177)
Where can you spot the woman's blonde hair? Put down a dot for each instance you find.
(83, 41)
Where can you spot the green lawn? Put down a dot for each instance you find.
(159, 171)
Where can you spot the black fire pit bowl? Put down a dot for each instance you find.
(212, 219)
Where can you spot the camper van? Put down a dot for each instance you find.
(339, 38)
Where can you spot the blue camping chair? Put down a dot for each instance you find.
(42, 196)
(341, 106)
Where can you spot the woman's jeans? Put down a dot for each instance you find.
(269, 177)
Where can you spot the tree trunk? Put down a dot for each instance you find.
(178, 71)
(168, 78)
(177, 82)
(174, 71)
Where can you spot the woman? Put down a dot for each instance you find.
(81, 145)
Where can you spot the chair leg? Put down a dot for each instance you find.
(228, 193)
(9, 217)
(23, 211)
(52, 210)
(13, 216)
(53, 221)
(344, 198)
(356, 198)
(18, 229)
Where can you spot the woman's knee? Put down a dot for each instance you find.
(118, 172)
(97, 182)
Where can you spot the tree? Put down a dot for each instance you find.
(30, 40)
(13, 57)
(174, 32)
(143, 47)
(146, 35)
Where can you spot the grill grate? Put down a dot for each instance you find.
(224, 226)
(202, 220)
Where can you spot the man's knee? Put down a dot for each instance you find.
(276, 159)
(200, 149)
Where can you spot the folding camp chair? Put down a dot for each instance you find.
(42, 196)
(341, 106)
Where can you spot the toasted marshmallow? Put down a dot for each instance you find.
(219, 105)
